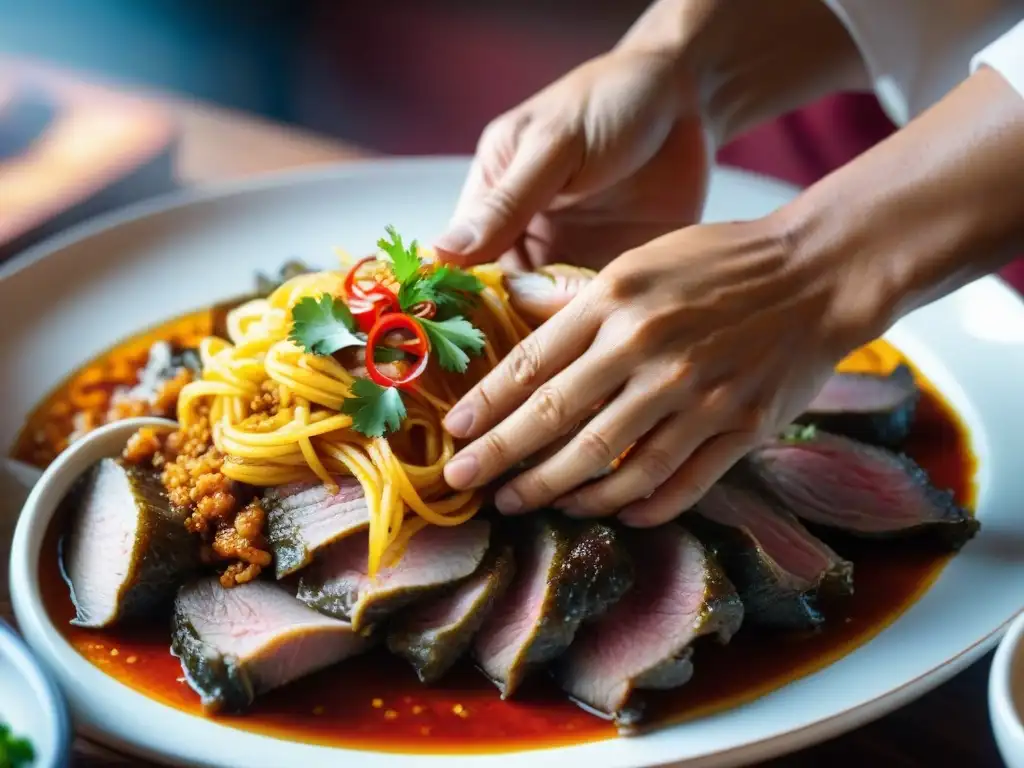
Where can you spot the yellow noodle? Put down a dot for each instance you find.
(306, 437)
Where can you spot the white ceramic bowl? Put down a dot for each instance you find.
(79, 294)
(31, 704)
(1006, 695)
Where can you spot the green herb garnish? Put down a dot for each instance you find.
(451, 339)
(375, 410)
(799, 433)
(405, 262)
(15, 751)
(323, 327)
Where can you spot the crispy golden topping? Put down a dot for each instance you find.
(191, 473)
(142, 446)
(268, 400)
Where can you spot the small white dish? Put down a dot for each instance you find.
(31, 704)
(1006, 695)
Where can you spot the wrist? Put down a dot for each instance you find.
(922, 213)
(748, 61)
(835, 248)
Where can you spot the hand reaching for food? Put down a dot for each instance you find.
(608, 157)
(698, 345)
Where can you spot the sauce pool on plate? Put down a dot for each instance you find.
(375, 701)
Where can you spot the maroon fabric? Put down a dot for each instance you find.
(804, 146)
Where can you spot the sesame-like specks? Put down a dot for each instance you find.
(377, 703)
(390, 714)
(114, 652)
(417, 710)
(425, 730)
(131, 660)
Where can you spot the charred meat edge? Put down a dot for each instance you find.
(163, 555)
(365, 610)
(589, 571)
(949, 524)
(292, 549)
(771, 594)
(226, 683)
(720, 615)
(881, 426)
(432, 649)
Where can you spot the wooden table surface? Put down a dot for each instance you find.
(947, 727)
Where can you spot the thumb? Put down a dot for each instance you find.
(491, 218)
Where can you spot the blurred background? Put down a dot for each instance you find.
(396, 76)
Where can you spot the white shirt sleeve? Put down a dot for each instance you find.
(916, 51)
(1005, 56)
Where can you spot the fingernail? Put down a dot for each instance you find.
(508, 501)
(458, 239)
(460, 471)
(459, 421)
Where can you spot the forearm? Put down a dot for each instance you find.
(751, 60)
(931, 208)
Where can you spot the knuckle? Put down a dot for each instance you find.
(620, 284)
(501, 202)
(549, 407)
(496, 449)
(525, 363)
(536, 488)
(673, 375)
(496, 132)
(595, 447)
(656, 466)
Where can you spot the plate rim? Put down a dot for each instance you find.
(781, 743)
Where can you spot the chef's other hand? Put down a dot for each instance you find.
(606, 158)
(693, 347)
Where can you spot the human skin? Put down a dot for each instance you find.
(701, 342)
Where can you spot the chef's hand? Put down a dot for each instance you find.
(608, 157)
(699, 344)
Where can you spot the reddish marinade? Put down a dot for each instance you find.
(375, 702)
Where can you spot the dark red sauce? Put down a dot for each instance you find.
(375, 702)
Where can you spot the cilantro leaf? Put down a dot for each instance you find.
(448, 287)
(14, 751)
(452, 339)
(413, 292)
(375, 410)
(405, 262)
(448, 279)
(323, 327)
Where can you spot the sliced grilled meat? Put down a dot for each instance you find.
(865, 406)
(645, 641)
(303, 518)
(566, 573)
(127, 550)
(780, 569)
(237, 643)
(338, 584)
(433, 635)
(859, 489)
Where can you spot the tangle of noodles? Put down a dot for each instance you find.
(308, 437)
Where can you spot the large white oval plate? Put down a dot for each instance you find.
(68, 300)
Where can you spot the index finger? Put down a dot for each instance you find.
(533, 361)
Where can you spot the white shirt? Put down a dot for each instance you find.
(916, 51)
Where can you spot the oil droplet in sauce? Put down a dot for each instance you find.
(375, 702)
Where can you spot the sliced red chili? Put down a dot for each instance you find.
(425, 309)
(421, 349)
(376, 302)
(352, 289)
